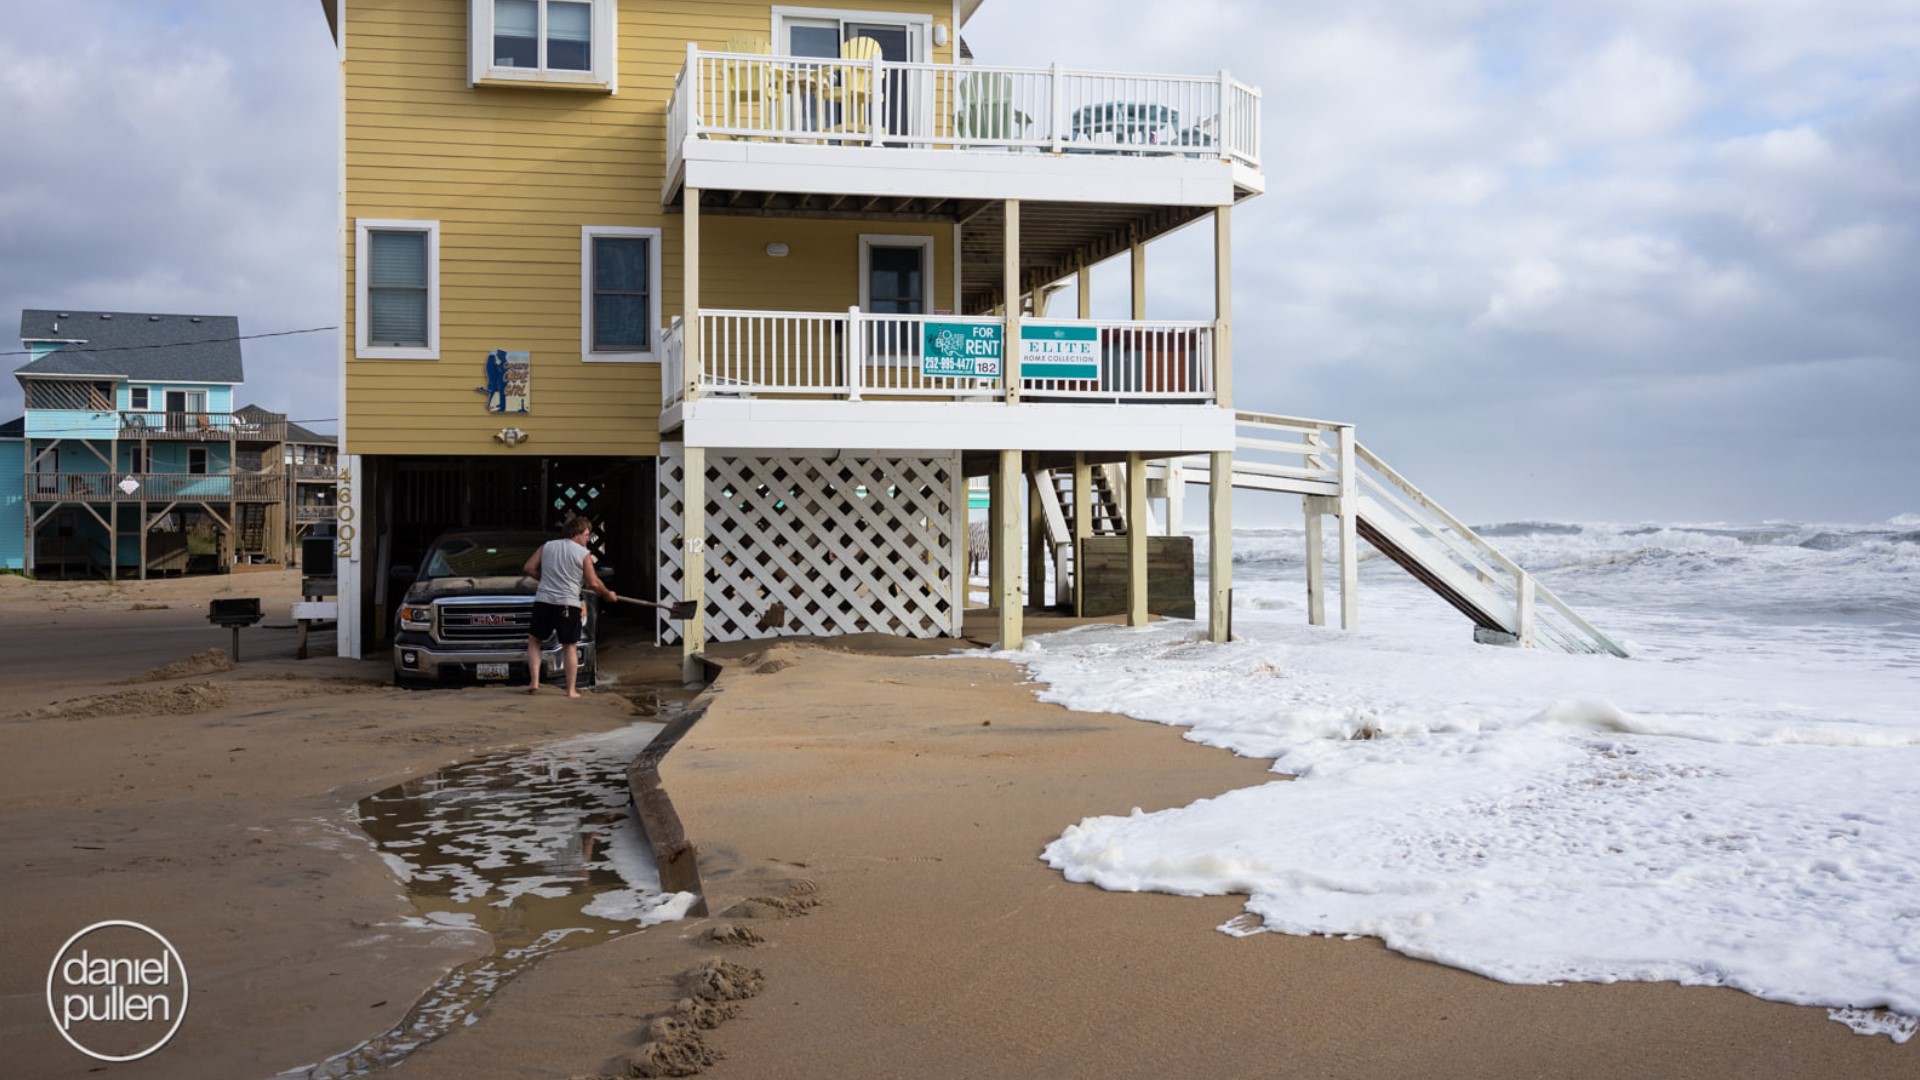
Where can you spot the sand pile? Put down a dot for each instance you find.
(200, 663)
(183, 700)
(673, 1043)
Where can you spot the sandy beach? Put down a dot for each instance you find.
(867, 824)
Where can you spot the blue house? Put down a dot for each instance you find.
(131, 459)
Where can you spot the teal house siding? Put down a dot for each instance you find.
(13, 508)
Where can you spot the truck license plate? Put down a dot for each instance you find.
(490, 671)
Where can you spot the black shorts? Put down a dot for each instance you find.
(549, 619)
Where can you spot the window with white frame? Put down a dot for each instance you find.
(138, 398)
(547, 41)
(619, 292)
(397, 289)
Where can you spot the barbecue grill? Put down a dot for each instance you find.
(234, 612)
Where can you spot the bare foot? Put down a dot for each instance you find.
(573, 693)
(534, 688)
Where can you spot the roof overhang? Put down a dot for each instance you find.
(332, 9)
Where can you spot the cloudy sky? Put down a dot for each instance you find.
(1620, 260)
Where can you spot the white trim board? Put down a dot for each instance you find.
(762, 424)
(725, 165)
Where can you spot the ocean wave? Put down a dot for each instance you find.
(1528, 528)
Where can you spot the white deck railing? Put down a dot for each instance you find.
(944, 106)
(856, 355)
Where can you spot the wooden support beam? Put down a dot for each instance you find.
(1083, 286)
(1176, 496)
(1314, 507)
(1006, 580)
(1082, 522)
(1036, 542)
(1010, 284)
(690, 358)
(1222, 306)
(1220, 546)
(693, 561)
(1139, 253)
(1137, 518)
(1349, 511)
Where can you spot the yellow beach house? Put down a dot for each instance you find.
(752, 284)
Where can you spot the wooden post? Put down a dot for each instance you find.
(1523, 615)
(1010, 289)
(1036, 543)
(1082, 522)
(1315, 506)
(693, 561)
(1083, 287)
(1219, 546)
(1176, 496)
(1139, 254)
(1007, 581)
(1222, 306)
(691, 360)
(996, 535)
(1137, 518)
(1349, 511)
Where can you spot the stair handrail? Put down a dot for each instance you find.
(1511, 582)
(1521, 577)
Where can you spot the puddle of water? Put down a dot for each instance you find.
(538, 848)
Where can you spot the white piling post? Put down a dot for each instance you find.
(1349, 511)
(1523, 620)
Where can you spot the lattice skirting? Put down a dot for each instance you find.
(821, 544)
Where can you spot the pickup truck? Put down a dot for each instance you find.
(465, 615)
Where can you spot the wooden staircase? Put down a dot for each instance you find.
(1339, 477)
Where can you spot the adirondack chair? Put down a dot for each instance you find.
(853, 95)
(986, 108)
(749, 92)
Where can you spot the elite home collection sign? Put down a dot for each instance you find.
(1059, 352)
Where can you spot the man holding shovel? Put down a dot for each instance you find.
(561, 566)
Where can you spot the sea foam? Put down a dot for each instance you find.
(1734, 807)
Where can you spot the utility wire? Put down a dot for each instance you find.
(82, 346)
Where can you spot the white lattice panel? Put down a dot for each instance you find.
(826, 544)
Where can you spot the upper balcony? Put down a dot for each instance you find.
(794, 127)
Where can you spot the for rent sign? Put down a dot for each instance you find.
(1059, 352)
(961, 350)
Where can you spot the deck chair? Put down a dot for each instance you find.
(986, 108)
(854, 94)
(747, 94)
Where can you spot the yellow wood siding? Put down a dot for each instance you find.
(512, 174)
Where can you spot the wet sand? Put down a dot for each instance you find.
(873, 819)
(217, 806)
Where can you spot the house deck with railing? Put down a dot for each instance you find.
(794, 123)
(815, 379)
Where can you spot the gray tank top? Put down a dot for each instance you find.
(561, 573)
